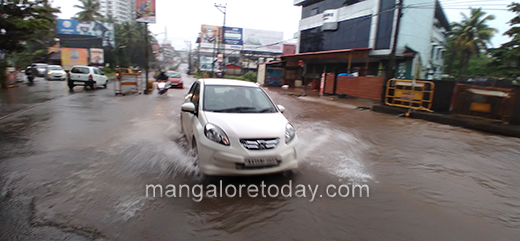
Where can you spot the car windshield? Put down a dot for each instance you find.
(173, 75)
(236, 99)
(54, 68)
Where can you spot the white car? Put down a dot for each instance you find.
(55, 72)
(234, 128)
(86, 76)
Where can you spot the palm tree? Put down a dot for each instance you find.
(90, 11)
(471, 36)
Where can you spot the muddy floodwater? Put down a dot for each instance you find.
(76, 168)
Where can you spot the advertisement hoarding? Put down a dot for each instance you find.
(145, 11)
(210, 36)
(263, 40)
(97, 56)
(206, 64)
(104, 31)
(233, 38)
(73, 56)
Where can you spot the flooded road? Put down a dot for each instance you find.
(76, 168)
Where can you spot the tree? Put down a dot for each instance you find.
(130, 38)
(507, 57)
(22, 22)
(90, 11)
(470, 37)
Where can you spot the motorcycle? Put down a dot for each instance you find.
(30, 76)
(163, 86)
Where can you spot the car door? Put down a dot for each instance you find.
(189, 119)
(97, 76)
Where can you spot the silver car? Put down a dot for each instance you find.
(55, 72)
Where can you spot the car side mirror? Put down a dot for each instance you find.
(188, 107)
(281, 108)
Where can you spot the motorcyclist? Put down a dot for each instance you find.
(161, 76)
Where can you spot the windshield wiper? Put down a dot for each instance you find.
(236, 109)
(267, 110)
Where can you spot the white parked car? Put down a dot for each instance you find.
(235, 128)
(86, 76)
(55, 72)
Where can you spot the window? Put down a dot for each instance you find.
(195, 96)
(236, 99)
(80, 70)
(96, 71)
(314, 11)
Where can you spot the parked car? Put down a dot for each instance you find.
(86, 76)
(42, 69)
(55, 72)
(175, 79)
(234, 128)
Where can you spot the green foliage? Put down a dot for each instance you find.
(507, 57)
(89, 11)
(467, 38)
(251, 76)
(25, 26)
(130, 39)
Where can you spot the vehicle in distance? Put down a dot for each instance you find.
(86, 76)
(42, 69)
(175, 79)
(234, 128)
(55, 72)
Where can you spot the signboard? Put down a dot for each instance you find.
(73, 56)
(233, 38)
(104, 31)
(210, 36)
(330, 19)
(145, 11)
(97, 56)
(206, 64)
(263, 40)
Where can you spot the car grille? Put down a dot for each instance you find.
(260, 144)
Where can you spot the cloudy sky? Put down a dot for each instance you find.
(183, 18)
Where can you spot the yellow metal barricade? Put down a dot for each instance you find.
(128, 77)
(410, 94)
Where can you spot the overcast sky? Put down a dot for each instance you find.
(183, 18)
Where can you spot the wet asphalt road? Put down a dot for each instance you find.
(75, 168)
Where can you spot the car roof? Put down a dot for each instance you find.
(83, 66)
(232, 82)
(54, 65)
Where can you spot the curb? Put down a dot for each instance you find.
(480, 125)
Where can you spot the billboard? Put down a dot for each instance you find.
(210, 36)
(145, 11)
(73, 56)
(104, 31)
(263, 40)
(233, 38)
(97, 56)
(207, 64)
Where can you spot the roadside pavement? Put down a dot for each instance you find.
(479, 124)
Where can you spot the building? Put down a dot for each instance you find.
(357, 38)
(121, 10)
(243, 48)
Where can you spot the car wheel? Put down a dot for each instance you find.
(105, 85)
(93, 85)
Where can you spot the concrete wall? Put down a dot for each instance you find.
(415, 31)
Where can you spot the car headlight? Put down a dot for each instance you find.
(161, 85)
(289, 133)
(216, 134)
(63, 72)
(180, 81)
(49, 73)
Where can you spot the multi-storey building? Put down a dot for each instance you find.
(121, 10)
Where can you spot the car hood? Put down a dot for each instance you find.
(249, 125)
(174, 79)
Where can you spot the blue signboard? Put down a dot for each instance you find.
(67, 26)
(104, 31)
(233, 36)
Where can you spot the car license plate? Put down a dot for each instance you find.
(260, 162)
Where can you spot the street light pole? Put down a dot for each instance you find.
(189, 55)
(223, 9)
